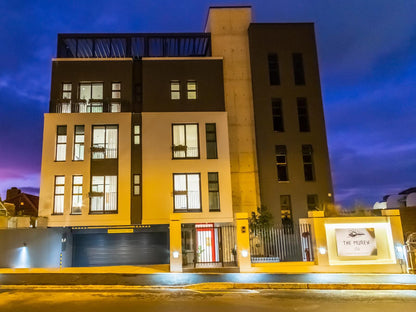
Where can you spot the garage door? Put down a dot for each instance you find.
(102, 249)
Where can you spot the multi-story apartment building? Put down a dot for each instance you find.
(203, 125)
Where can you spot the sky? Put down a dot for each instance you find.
(367, 58)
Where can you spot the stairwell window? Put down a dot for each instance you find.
(79, 143)
(175, 90)
(59, 191)
(186, 192)
(103, 194)
(104, 142)
(191, 88)
(281, 163)
(76, 194)
(61, 143)
(185, 141)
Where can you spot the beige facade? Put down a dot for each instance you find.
(159, 167)
(69, 168)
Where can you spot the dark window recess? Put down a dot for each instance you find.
(281, 163)
(214, 191)
(298, 69)
(308, 162)
(211, 136)
(312, 200)
(286, 213)
(274, 76)
(277, 115)
(303, 115)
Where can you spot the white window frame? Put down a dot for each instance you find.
(187, 192)
(59, 195)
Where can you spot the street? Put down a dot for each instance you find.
(118, 298)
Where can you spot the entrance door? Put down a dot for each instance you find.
(206, 244)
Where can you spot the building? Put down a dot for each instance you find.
(24, 204)
(143, 127)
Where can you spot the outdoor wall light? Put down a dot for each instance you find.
(244, 253)
(322, 250)
(24, 244)
(175, 254)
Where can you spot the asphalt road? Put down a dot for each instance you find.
(143, 300)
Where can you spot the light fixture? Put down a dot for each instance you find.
(244, 253)
(322, 250)
(175, 254)
(24, 244)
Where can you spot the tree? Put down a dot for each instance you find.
(262, 219)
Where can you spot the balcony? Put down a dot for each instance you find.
(84, 106)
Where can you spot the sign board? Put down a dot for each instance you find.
(356, 242)
(118, 231)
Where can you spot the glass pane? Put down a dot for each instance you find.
(97, 91)
(61, 152)
(59, 204)
(180, 201)
(79, 138)
(136, 190)
(77, 179)
(137, 179)
(59, 180)
(61, 130)
(59, 189)
(192, 140)
(174, 86)
(116, 86)
(79, 152)
(61, 138)
(115, 107)
(79, 130)
(67, 87)
(111, 142)
(214, 201)
(97, 203)
(85, 91)
(137, 139)
(193, 191)
(179, 182)
(115, 94)
(192, 95)
(98, 135)
(137, 129)
(191, 85)
(175, 95)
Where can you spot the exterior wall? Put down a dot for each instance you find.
(158, 167)
(51, 168)
(284, 39)
(229, 39)
(408, 217)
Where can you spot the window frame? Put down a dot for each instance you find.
(190, 91)
(287, 223)
(185, 146)
(209, 141)
(178, 193)
(274, 70)
(298, 69)
(79, 144)
(307, 151)
(281, 151)
(74, 193)
(173, 91)
(105, 148)
(277, 115)
(303, 114)
(91, 104)
(66, 97)
(55, 195)
(61, 143)
(217, 191)
(137, 184)
(315, 202)
(115, 100)
(137, 134)
(91, 195)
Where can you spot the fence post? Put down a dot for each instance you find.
(175, 238)
(243, 241)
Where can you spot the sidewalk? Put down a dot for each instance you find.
(159, 277)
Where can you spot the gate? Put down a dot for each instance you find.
(281, 243)
(208, 245)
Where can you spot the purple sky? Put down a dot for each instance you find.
(367, 57)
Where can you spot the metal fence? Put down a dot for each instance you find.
(281, 243)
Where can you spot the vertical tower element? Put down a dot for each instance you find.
(229, 38)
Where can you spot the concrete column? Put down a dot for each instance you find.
(175, 243)
(320, 246)
(243, 241)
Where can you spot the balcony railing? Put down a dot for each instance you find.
(83, 106)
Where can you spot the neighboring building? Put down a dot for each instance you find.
(203, 125)
(24, 204)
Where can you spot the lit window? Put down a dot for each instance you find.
(175, 90)
(136, 184)
(214, 191)
(91, 97)
(185, 141)
(303, 116)
(115, 97)
(103, 194)
(66, 90)
(61, 143)
(65, 105)
(191, 90)
(281, 163)
(104, 142)
(286, 210)
(308, 162)
(277, 115)
(136, 133)
(186, 192)
(58, 204)
(312, 200)
(79, 143)
(76, 194)
(211, 137)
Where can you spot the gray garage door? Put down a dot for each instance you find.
(102, 249)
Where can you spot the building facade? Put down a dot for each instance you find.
(202, 125)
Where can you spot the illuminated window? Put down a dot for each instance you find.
(286, 210)
(211, 137)
(308, 162)
(312, 201)
(277, 115)
(191, 90)
(303, 116)
(175, 90)
(186, 192)
(76, 194)
(66, 98)
(274, 77)
(79, 143)
(136, 134)
(185, 141)
(136, 184)
(115, 97)
(91, 97)
(298, 69)
(103, 194)
(58, 203)
(214, 191)
(104, 142)
(281, 163)
(61, 143)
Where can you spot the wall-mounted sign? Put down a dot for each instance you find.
(356, 242)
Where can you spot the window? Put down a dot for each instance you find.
(61, 143)
(186, 192)
(136, 134)
(281, 163)
(303, 115)
(79, 143)
(58, 203)
(175, 90)
(274, 77)
(115, 97)
(211, 137)
(277, 115)
(136, 184)
(191, 90)
(66, 98)
(91, 97)
(298, 70)
(214, 191)
(286, 210)
(103, 194)
(312, 200)
(308, 162)
(104, 142)
(185, 141)
(76, 194)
